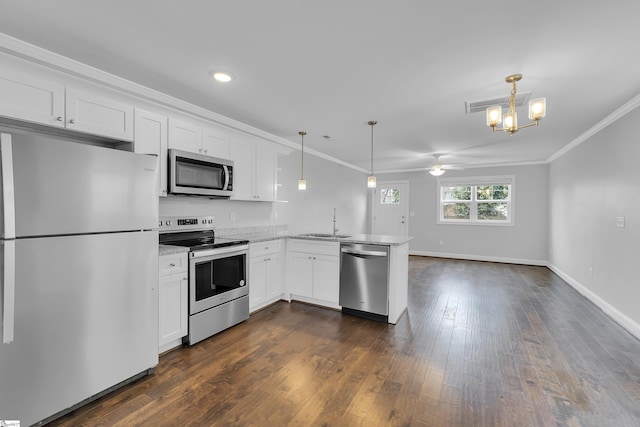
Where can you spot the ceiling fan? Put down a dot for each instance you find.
(438, 168)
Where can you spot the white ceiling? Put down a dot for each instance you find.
(328, 67)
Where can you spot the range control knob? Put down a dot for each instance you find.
(160, 224)
(210, 221)
(167, 222)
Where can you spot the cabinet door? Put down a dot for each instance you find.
(185, 136)
(31, 99)
(326, 278)
(243, 154)
(173, 307)
(215, 143)
(274, 276)
(257, 284)
(265, 185)
(150, 137)
(87, 112)
(299, 273)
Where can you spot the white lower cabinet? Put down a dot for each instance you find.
(313, 272)
(265, 273)
(173, 296)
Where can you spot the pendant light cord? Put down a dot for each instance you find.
(372, 123)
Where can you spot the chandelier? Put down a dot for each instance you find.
(537, 111)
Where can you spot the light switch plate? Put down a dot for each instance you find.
(620, 222)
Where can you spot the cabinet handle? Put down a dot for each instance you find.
(72, 121)
(206, 151)
(172, 265)
(59, 118)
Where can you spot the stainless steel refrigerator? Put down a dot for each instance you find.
(78, 272)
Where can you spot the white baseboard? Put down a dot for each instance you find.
(481, 258)
(623, 320)
(616, 315)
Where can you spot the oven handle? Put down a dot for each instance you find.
(227, 250)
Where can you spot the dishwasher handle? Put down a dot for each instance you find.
(362, 252)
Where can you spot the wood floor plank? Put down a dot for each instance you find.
(481, 344)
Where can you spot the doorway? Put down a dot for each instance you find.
(390, 212)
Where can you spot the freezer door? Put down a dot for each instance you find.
(61, 187)
(86, 318)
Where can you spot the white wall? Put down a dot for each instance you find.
(329, 186)
(525, 242)
(590, 186)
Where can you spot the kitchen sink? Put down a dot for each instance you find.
(337, 236)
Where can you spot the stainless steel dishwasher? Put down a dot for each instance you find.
(364, 280)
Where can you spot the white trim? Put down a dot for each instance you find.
(22, 49)
(622, 319)
(611, 118)
(468, 257)
(69, 66)
(616, 315)
(474, 181)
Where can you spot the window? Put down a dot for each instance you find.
(476, 200)
(389, 196)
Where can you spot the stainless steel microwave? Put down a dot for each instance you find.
(197, 174)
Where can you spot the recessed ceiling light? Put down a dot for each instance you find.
(222, 76)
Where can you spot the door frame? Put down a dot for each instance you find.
(374, 195)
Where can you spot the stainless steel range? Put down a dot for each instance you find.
(218, 288)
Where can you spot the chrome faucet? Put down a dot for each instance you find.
(335, 230)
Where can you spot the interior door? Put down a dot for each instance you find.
(390, 208)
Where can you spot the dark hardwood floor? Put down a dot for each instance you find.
(482, 344)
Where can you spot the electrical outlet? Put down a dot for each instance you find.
(441, 242)
(232, 216)
(620, 222)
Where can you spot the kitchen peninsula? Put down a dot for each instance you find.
(310, 266)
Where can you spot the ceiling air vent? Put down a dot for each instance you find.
(481, 106)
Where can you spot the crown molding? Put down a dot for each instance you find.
(622, 111)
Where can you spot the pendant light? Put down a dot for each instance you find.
(302, 183)
(371, 181)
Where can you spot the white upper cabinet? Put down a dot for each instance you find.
(266, 167)
(40, 101)
(150, 137)
(90, 113)
(210, 141)
(31, 99)
(215, 142)
(254, 172)
(243, 154)
(185, 136)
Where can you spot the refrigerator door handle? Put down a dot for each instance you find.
(8, 200)
(8, 291)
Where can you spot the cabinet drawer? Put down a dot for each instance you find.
(316, 247)
(265, 248)
(173, 263)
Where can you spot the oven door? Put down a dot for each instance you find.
(217, 276)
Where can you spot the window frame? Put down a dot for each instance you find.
(474, 182)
